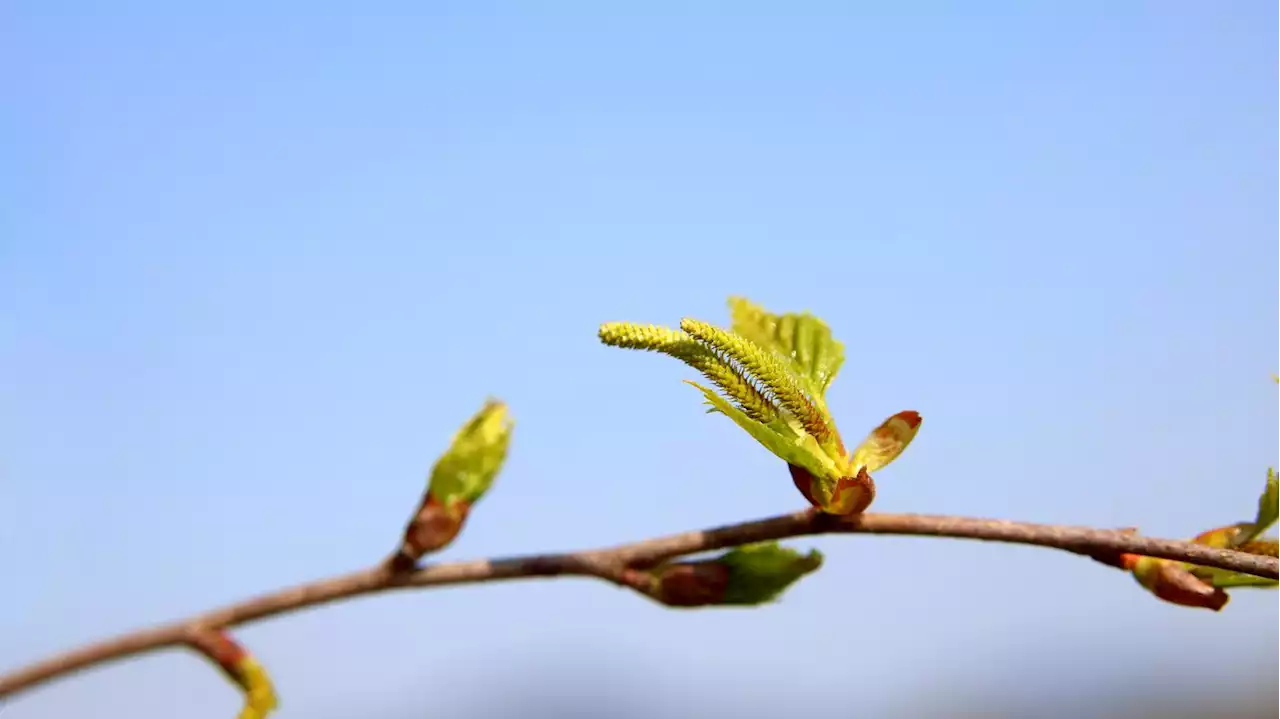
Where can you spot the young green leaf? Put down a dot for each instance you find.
(760, 573)
(1237, 536)
(1226, 579)
(467, 469)
(1228, 538)
(1268, 510)
(772, 372)
(800, 339)
(792, 447)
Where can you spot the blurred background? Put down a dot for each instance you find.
(259, 261)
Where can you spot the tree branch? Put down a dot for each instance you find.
(619, 565)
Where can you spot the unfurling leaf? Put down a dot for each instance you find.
(749, 575)
(800, 450)
(467, 470)
(1243, 534)
(887, 442)
(1193, 585)
(760, 573)
(1227, 579)
(1244, 537)
(460, 477)
(1268, 511)
(802, 339)
(241, 668)
(772, 372)
(1268, 505)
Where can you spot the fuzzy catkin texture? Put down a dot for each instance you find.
(630, 335)
(765, 367)
(730, 377)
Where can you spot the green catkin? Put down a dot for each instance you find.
(766, 368)
(734, 381)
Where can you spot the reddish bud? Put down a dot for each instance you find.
(803, 481)
(433, 527)
(240, 667)
(693, 584)
(1173, 583)
(911, 417)
(220, 648)
(850, 495)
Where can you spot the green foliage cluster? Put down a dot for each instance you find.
(770, 374)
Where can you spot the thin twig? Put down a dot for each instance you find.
(615, 565)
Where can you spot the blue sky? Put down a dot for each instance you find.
(258, 263)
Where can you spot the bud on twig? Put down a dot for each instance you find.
(1172, 582)
(240, 667)
(746, 576)
(432, 528)
(1244, 537)
(458, 480)
(845, 496)
(1192, 585)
